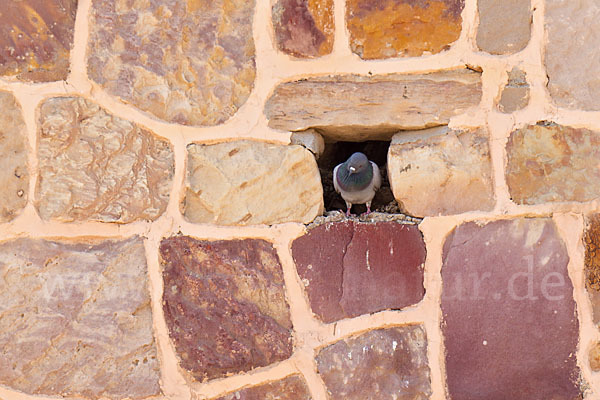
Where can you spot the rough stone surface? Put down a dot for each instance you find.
(311, 140)
(351, 268)
(358, 108)
(591, 241)
(187, 62)
(441, 171)
(515, 94)
(96, 166)
(247, 182)
(509, 318)
(380, 364)
(553, 163)
(504, 26)
(75, 319)
(594, 355)
(291, 388)
(224, 304)
(402, 28)
(36, 37)
(14, 177)
(304, 28)
(571, 66)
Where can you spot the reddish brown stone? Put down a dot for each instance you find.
(224, 303)
(290, 388)
(592, 263)
(304, 28)
(36, 37)
(380, 364)
(509, 318)
(352, 268)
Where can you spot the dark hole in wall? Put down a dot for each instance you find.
(336, 153)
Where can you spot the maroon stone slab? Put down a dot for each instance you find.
(509, 319)
(292, 387)
(224, 304)
(352, 268)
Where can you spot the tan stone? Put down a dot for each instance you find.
(96, 166)
(504, 26)
(441, 171)
(358, 108)
(553, 163)
(515, 94)
(311, 140)
(595, 357)
(246, 182)
(14, 177)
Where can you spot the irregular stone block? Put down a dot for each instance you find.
(36, 37)
(594, 355)
(402, 28)
(75, 319)
(14, 176)
(591, 240)
(291, 388)
(553, 163)
(351, 268)
(311, 140)
(247, 182)
(224, 304)
(515, 94)
(572, 64)
(304, 28)
(509, 319)
(96, 166)
(380, 364)
(441, 171)
(504, 26)
(359, 108)
(186, 62)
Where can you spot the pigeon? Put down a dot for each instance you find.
(357, 180)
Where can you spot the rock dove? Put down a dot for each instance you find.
(357, 180)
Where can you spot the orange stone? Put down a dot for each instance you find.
(402, 28)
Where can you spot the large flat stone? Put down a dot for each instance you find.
(304, 28)
(290, 388)
(572, 59)
(247, 182)
(224, 304)
(591, 240)
(402, 28)
(96, 166)
(352, 268)
(509, 319)
(441, 171)
(553, 163)
(380, 364)
(504, 26)
(36, 37)
(186, 62)
(358, 108)
(75, 319)
(14, 176)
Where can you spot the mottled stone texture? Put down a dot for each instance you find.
(515, 94)
(75, 319)
(291, 388)
(594, 355)
(14, 177)
(304, 28)
(504, 26)
(351, 268)
(36, 37)
(591, 241)
(509, 319)
(224, 303)
(553, 163)
(380, 364)
(96, 166)
(247, 182)
(400, 28)
(441, 171)
(572, 61)
(185, 61)
(358, 108)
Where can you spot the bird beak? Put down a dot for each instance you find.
(352, 170)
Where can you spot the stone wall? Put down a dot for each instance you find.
(167, 225)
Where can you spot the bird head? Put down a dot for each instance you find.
(357, 163)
